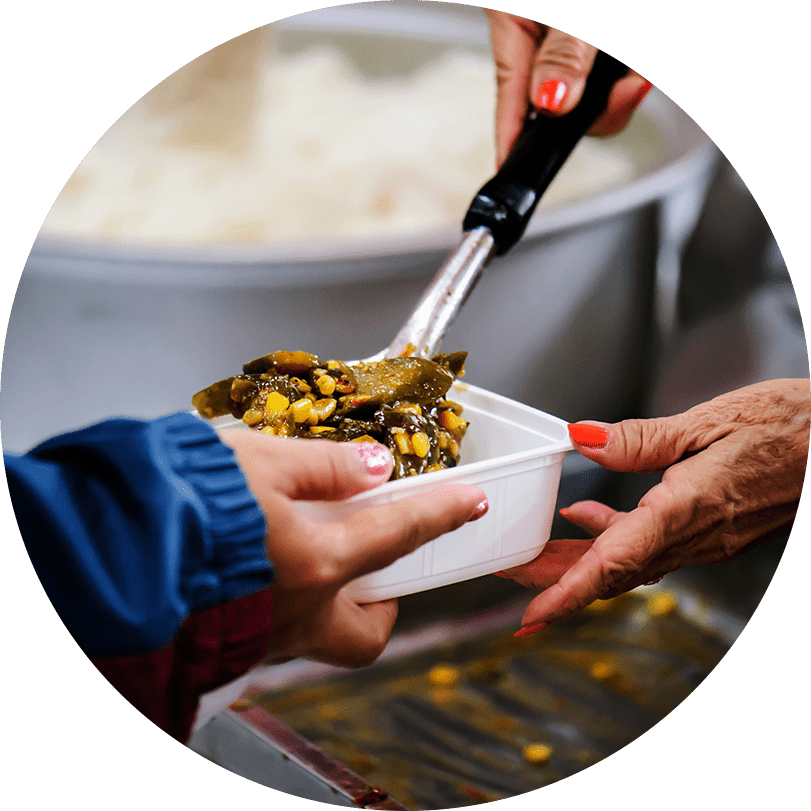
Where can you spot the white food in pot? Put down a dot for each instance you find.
(248, 145)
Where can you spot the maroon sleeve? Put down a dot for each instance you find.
(212, 647)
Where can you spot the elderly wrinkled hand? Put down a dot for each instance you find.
(733, 474)
(539, 65)
(311, 615)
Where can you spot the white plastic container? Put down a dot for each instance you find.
(515, 454)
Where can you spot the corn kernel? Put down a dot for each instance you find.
(443, 675)
(537, 753)
(363, 438)
(661, 603)
(252, 416)
(333, 365)
(326, 385)
(403, 443)
(301, 409)
(276, 404)
(410, 408)
(321, 429)
(602, 669)
(324, 408)
(449, 420)
(421, 444)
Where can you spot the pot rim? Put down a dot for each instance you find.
(688, 155)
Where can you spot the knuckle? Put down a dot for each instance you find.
(614, 571)
(617, 568)
(322, 568)
(332, 467)
(644, 445)
(565, 53)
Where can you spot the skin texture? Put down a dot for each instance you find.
(733, 474)
(527, 54)
(313, 562)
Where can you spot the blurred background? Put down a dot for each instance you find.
(297, 188)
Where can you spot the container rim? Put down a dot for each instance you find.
(466, 471)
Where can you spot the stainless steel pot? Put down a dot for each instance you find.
(562, 323)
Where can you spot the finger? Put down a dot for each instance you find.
(641, 446)
(614, 560)
(561, 66)
(555, 560)
(376, 537)
(654, 444)
(626, 95)
(354, 635)
(309, 469)
(591, 516)
(514, 41)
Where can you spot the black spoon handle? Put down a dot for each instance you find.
(505, 203)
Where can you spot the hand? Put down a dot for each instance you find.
(539, 65)
(733, 473)
(313, 562)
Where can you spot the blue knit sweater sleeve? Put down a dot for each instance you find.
(131, 525)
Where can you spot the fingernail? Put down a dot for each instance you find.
(592, 436)
(374, 457)
(551, 95)
(481, 508)
(564, 512)
(502, 575)
(531, 629)
(643, 91)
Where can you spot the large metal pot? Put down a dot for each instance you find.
(563, 323)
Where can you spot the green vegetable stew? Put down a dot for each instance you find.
(399, 402)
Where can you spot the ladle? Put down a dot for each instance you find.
(501, 211)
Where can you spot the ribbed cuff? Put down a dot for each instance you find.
(235, 559)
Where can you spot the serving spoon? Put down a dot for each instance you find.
(500, 212)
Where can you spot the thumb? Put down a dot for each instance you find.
(639, 446)
(562, 65)
(309, 469)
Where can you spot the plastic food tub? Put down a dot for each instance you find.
(515, 454)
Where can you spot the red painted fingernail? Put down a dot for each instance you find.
(643, 91)
(531, 629)
(502, 575)
(375, 458)
(564, 511)
(481, 508)
(592, 436)
(551, 95)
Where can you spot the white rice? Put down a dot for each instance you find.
(303, 147)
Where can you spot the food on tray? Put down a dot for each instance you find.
(602, 669)
(399, 402)
(661, 603)
(443, 675)
(537, 752)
